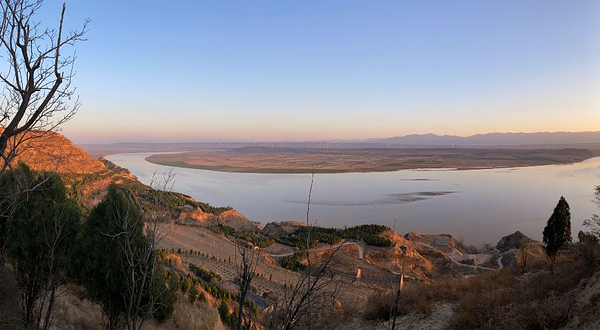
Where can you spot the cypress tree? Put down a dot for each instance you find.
(557, 232)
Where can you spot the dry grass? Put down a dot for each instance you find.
(319, 160)
(10, 306)
(503, 299)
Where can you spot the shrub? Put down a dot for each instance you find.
(501, 299)
(38, 235)
(588, 247)
(379, 306)
(294, 261)
(165, 304)
(204, 275)
(193, 293)
(370, 234)
(116, 226)
(224, 312)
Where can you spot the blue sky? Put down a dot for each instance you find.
(303, 70)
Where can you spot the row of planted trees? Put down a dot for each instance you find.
(47, 241)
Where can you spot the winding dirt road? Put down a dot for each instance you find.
(361, 250)
(454, 260)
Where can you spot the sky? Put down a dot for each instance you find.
(312, 70)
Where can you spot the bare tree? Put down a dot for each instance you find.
(139, 260)
(524, 250)
(37, 94)
(246, 273)
(589, 242)
(399, 283)
(594, 222)
(396, 281)
(309, 227)
(315, 290)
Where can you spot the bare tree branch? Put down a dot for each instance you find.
(37, 94)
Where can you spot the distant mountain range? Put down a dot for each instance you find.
(543, 140)
(496, 139)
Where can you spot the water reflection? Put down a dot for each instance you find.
(478, 205)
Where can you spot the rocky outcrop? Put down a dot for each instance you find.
(282, 228)
(443, 242)
(512, 241)
(230, 218)
(50, 151)
(406, 257)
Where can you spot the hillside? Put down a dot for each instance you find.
(52, 151)
(89, 179)
(447, 283)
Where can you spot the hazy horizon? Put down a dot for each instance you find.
(332, 70)
(376, 138)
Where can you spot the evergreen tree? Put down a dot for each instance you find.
(114, 265)
(557, 232)
(165, 304)
(100, 260)
(39, 232)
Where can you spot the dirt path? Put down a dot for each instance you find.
(361, 250)
(454, 260)
(219, 255)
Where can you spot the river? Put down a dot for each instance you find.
(479, 206)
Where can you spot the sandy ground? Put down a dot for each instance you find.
(220, 256)
(440, 319)
(298, 160)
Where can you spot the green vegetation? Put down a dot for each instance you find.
(115, 262)
(367, 233)
(257, 238)
(370, 234)
(193, 294)
(113, 167)
(38, 237)
(224, 312)
(165, 304)
(170, 200)
(557, 232)
(204, 275)
(48, 244)
(78, 181)
(208, 280)
(294, 261)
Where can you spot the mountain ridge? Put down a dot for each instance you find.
(497, 139)
(541, 140)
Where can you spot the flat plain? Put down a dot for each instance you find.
(342, 160)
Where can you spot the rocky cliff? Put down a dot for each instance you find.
(51, 151)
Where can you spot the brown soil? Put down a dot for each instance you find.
(53, 152)
(300, 160)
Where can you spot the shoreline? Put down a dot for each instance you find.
(224, 168)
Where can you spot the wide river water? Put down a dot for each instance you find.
(480, 206)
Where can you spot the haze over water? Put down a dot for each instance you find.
(479, 205)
